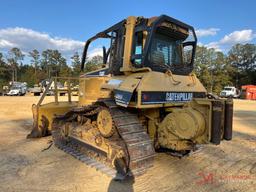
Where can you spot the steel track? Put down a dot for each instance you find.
(137, 142)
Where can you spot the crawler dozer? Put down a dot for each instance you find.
(144, 99)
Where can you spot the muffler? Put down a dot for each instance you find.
(217, 107)
(228, 125)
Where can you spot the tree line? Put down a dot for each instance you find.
(44, 65)
(236, 68)
(214, 68)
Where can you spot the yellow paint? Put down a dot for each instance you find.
(51, 109)
(90, 89)
(130, 24)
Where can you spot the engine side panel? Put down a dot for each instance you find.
(90, 89)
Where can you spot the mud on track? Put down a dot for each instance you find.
(230, 166)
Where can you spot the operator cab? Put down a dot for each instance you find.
(159, 43)
(169, 45)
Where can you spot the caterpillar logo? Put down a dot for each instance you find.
(168, 97)
(179, 96)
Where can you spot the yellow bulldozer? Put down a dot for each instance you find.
(144, 99)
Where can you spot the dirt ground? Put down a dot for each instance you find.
(230, 166)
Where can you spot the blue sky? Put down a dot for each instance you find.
(65, 24)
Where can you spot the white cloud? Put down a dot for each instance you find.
(243, 36)
(28, 39)
(95, 52)
(200, 44)
(207, 32)
(7, 44)
(214, 45)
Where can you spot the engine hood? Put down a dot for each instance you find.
(167, 82)
(159, 87)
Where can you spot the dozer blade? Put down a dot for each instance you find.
(38, 131)
(43, 116)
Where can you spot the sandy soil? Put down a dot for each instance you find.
(230, 166)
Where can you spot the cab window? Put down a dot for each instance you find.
(138, 49)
